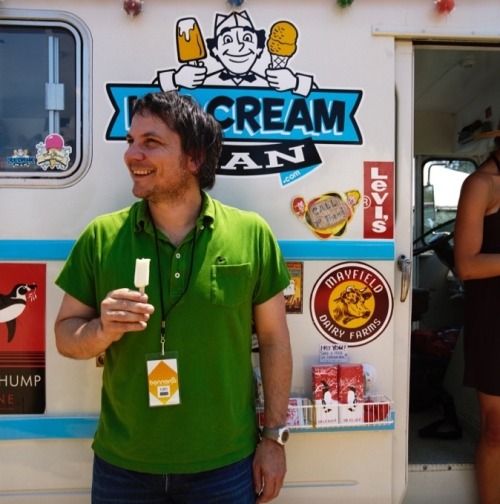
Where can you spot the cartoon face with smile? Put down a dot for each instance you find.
(237, 49)
(236, 45)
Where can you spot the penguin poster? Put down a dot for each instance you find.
(22, 338)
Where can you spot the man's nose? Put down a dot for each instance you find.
(133, 152)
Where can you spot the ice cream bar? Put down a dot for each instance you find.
(190, 44)
(141, 277)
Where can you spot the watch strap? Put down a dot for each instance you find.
(278, 434)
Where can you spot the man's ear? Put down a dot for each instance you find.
(194, 164)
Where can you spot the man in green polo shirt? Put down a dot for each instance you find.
(177, 420)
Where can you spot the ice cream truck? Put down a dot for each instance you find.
(350, 126)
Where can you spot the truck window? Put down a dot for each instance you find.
(442, 181)
(44, 86)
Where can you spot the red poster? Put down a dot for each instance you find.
(22, 338)
(378, 200)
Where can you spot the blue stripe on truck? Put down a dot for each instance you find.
(362, 250)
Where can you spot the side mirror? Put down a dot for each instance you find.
(429, 207)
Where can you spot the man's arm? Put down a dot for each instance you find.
(82, 334)
(276, 369)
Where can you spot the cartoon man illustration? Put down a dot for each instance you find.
(236, 46)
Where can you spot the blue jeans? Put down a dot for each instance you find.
(232, 484)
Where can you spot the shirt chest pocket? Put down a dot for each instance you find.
(230, 284)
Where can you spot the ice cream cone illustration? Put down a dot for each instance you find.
(282, 43)
(190, 43)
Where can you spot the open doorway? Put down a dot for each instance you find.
(456, 112)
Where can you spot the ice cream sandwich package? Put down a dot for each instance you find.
(351, 393)
(325, 394)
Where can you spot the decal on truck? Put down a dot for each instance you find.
(52, 153)
(293, 293)
(273, 117)
(351, 303)
(22, 338)
(328, 214)
(378, 200)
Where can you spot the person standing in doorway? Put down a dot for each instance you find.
(477, 258)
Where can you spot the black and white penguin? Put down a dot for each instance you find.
(12, 305)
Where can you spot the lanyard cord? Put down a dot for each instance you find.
(164, 312)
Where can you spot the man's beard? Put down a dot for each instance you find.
(160, 194)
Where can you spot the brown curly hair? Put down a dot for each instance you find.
(200, 133)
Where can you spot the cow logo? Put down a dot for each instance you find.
(351, 304)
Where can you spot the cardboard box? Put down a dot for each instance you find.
(351, 393)
(325, 394)
(377, 410)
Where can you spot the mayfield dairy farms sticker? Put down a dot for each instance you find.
(351, 304)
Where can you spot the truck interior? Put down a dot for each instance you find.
(456, 117)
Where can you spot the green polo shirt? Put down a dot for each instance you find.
(210, 284)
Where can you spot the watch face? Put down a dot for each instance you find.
(285, 435)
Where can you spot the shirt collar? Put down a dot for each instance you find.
(143, 220)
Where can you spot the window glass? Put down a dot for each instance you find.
(43, 131)
(443, 180)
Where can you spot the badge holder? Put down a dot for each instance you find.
(162, 369)
(163, 379)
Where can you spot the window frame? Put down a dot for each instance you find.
(83, 65)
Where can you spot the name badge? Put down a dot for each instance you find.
(163, 379)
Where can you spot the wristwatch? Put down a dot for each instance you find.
(278, 434)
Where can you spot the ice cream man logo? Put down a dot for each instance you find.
(52, 153)
(327, 215)
(20, 158)
(351, 304)
(273, 117)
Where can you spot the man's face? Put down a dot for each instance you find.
(237, 49)
(160, 170)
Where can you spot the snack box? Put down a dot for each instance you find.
(376, 409)
(325, 394)
(351, 393)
